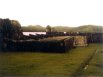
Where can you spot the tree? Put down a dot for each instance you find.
(16, 29)
(48, 28)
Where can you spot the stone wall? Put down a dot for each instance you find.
(80, 40)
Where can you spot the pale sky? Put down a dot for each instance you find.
(53, 12)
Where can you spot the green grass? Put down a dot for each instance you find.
(44, 64)
(95, 67)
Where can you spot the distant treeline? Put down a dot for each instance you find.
(84, 28)
(32, 28)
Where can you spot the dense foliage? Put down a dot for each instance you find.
(10, 29)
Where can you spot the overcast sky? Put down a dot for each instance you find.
(53, 12)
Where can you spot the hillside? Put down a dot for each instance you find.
(62, 28)
(88, 28)
(84, 28)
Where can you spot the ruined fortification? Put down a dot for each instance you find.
(12, 39)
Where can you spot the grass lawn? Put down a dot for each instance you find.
(95, 67)
(44, 64)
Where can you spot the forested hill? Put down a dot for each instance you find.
(84, 28)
